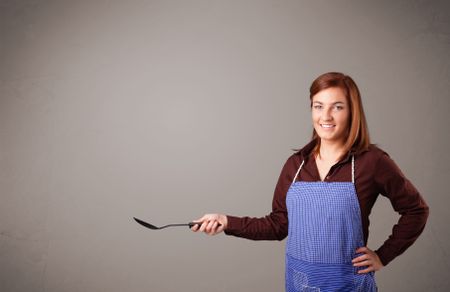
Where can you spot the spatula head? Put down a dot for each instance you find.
(148, 225)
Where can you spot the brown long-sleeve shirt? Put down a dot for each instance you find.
(375, 173)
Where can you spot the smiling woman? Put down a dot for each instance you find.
(330, 115)
(324, 196)
(340, 91)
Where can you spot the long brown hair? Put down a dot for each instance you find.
(358, 138)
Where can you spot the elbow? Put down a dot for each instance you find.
(281, 233)
(420, 210)
(425, 211)
(281, 237)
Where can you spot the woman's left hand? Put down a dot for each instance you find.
(369, 259)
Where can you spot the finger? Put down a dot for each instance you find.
(215, 228)
(365, 271)
(362, 264)
(209, 226)
(203, 218)
(361, 258)
(212, 227)
(195, 227)
(203, 226)
(199, 219)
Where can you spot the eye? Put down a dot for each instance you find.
(338, 107)
(317, 106)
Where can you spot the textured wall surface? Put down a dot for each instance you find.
(165, 110)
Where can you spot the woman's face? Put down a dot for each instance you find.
(330, 115)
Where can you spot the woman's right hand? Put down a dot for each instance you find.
(212, 224)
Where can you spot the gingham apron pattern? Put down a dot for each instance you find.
(325, 230)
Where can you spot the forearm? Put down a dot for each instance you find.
(404, 234)
(271, 227)
(407, 201)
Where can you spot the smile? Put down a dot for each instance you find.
(327, 126)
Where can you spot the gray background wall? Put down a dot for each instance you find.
(165, 110)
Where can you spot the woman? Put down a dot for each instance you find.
(324, 196)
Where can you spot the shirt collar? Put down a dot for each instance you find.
(306, 152)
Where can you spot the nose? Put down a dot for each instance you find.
(326, 115)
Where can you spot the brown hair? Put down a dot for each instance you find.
(358, 138)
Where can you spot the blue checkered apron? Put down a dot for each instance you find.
(325, 230)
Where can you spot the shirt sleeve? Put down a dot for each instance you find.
(274, 226)
(405, 200)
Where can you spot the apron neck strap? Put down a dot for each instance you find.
(353, 169)
(298, 171)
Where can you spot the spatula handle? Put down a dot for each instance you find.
(192, 224)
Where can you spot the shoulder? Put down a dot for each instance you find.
(294, 160)
(373, 153)
(374, 161)
(380, 163)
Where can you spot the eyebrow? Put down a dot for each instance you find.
(334, 103)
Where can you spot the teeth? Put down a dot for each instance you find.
(326, 126)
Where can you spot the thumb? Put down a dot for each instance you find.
(200, 220)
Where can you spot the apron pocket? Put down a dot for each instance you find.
(305, 276)
(300, 281)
